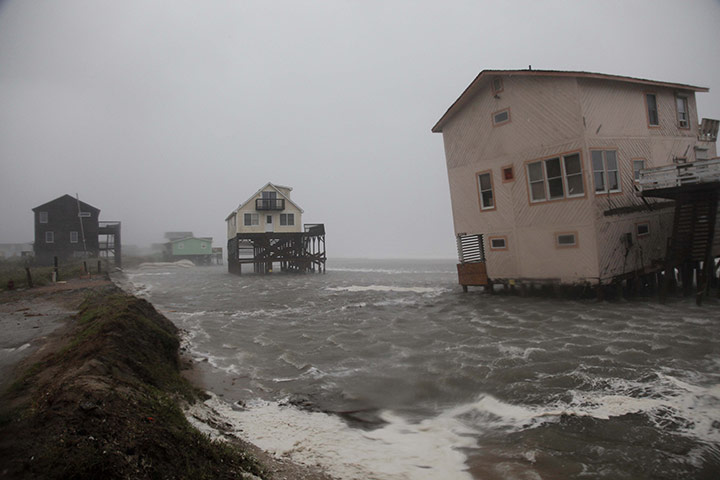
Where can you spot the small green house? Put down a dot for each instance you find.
(196, 249)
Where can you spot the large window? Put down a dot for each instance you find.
(49, 237)
(73, 237)
(251, 219)
(485, 187)
(555, 178)
(605, 171)
(682, 112)
(651, 101)
(287, 219)
(43, 217)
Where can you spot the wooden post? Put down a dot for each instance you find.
(55, 269)
(99, 267)
(85, 267)
(29, 277)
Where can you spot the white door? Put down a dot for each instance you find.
(269, 223)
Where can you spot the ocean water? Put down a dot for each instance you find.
(386, 370)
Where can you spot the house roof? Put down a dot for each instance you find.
(276, 188)
(65, 198)
(485, 75)
(205, 239)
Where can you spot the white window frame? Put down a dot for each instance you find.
(683, 114)
(647, 229)
(546, 179)
(605, 171)
(482, 191)
(43, 217)
(49, 237)
(73, 237)
(254, 219)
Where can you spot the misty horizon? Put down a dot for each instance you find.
(167, 116)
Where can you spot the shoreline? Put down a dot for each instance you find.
(77, 375)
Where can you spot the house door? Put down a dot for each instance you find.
(269, 223)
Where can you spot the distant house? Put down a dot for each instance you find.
(267, 228)
(266, 211)
(11, 250)
(197, 249)
(544, 167)
(65, 228)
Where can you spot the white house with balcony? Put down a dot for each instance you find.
(269, 210)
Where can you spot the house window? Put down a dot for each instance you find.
(507, 174)
(651, 101)
(605, 171)
(563, 240)
(485, 187)
(643, 229)
(251, 219)
(501, 117)
(638, 164)
(497, 85)
(49, 237)
(498, 243)
(682, 112)
(555, 178)
(73, 237)
(287, 219)
(43, 217)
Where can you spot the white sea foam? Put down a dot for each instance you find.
(385, 288)
(399, 450)
(690, 408)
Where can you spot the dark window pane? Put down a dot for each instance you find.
(575, 185)
(487, 199)
(553, 167)
(611, 160)
(485, 182)
(566, 239)
(502, 117)
(572, 164)
(613, 181)
(599, 178)
(597, 160)
(556, 188)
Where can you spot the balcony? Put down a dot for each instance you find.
(681, 175)
(708, 130)
(269, 204)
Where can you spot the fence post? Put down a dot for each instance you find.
(29, 277)
(55, 269)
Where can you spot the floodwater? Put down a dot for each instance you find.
(386, 370)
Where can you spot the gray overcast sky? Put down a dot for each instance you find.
(167, 114)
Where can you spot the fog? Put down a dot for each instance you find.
(168, 114)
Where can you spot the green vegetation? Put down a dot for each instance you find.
(105, 404)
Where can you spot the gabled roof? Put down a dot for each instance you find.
(204, 239)
(276, 188)
(486, 75)
(68, 198)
